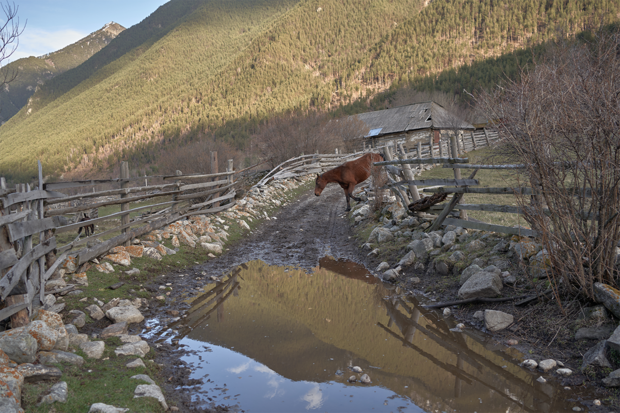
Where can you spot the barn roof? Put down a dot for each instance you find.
(425, 115)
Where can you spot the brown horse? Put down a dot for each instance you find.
(348, 175)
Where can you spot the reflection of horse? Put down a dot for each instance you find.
(348, 175)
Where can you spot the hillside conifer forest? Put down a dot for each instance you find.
(213, 73)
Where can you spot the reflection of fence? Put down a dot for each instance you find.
(482, 370)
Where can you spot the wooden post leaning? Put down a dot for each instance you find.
(457, 171)
(125, 206)
(415, 195)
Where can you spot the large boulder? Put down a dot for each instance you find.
(613, 342)
(13, 378)
(128, 314)
(497, 320)
(35, 373)
(151, 390)
(57, 356)
(468, 272)
(609, 297)
(19, 345)
(485, 284)
(141, 349)
(93, 349)
(613, 380)
(596, 356)
(46, 336)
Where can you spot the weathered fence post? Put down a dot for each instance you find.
(457, 171)
(229, 169)
(41, 239)
(214, 170)
(176, 196)
(408, 174)
(473, 140)
(486, 136)
(125, 206)
(430, 145)
(403, 195)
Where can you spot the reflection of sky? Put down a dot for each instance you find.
(261, 389)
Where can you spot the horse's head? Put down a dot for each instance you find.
(320, 184)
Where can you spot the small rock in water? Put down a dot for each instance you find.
(365, 379)
(357, 369)
(530, 364)
(447, 312)
(352, 379)
(339, 373)
(541, 379)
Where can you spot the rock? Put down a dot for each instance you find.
(383, 266)
(380, 235)
(175, 241)
(50, 300)
(128, 314)
(594, 333)
(135, 251)
(122, 258)
(468, 272)
(9, 404)
(407, 260)
(141, 348)
(105, 268)
(110, 304)
(449, 238)
(151, 390)
(525, 248)
(54, 321)
(136, 363)
(597, 313)
(116, 329)
(501, 246)
(546, 365)
(508, 279)
(133, 271)
(80, 279)
(12, 378)
(77, 318)
(70, 264)
(540, 264)
(126, 338)
(365, 379)
(352, 379)
(356, 369)
(153, 254)
(95, 312)
(35, 373)
(541, 379)
(421, 247)
(613, 380)
(613, 342)
(57, 356)
(436, 238)
(58, 393)
(94, 349)
(390, 275)
(143, 377)
(442, 267)
(71, 329)
(482, 284)
(609, 297)
(76, 339)
(497, 320)
(479, 315)
(500, 262)
(475, 245)
(19, 345)
(564, 372)
(105, 408)
(512, 342)
(52, 285)
(530, 364)
(457, 256)
(213, 248)
(186, 239)
(596, 356)
(46, 336)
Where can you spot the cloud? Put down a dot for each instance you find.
(37, 42)
(314, 397)
(264, 369)
(239, 369)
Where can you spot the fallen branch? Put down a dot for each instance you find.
(474, 300)
(534, 298)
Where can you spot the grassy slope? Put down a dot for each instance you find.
(173, 75)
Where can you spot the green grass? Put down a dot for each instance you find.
(97, 381)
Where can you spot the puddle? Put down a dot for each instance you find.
(275, 339)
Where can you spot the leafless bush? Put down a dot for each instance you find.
(290, 135)
(562, 120)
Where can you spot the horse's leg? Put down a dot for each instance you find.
(351, 188)
(346, 194)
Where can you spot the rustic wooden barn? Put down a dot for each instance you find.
(424, 122)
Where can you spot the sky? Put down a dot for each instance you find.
(51, 25)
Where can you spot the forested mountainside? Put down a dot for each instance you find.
(219, 68)
(33, 71)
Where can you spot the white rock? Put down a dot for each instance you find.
(94, 349)
(141, 348)
(129, 314)
(383, 266)
(357, 369)
(151, 390)
(541, 379)
(564, 372)
(530, 364)
(547, 365)
(447, 312)
(105, 408)
(136, 363)
(143, 377)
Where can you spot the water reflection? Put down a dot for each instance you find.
(278, 337)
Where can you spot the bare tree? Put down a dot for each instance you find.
(562, 121)
(10, 31)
